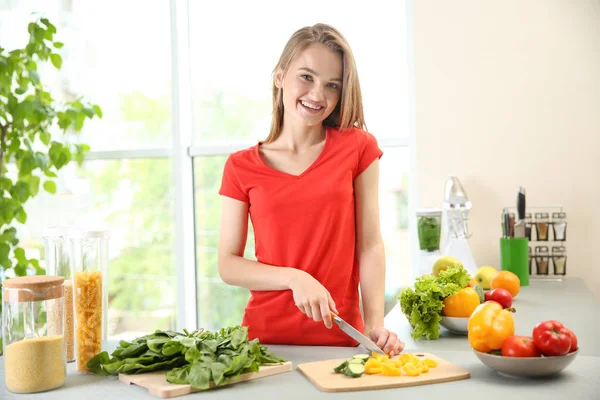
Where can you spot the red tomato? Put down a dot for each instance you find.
(520, 346)
(574, 344)
(501, 296)
(552, 338)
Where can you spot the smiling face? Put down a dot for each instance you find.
(312, 85)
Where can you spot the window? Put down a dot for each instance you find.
(125, 67)
(232, 108)
(137, 69)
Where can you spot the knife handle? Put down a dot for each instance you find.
(521, 203)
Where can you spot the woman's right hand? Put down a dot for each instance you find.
(312, 298)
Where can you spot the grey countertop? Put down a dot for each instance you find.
(568, 301)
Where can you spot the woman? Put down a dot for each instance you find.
(311, 190)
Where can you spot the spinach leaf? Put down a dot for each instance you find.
(199, 376)
(134, 350)
(218, 372)
(179, 375)
(95, 363)
(157, 344)
(192, 355)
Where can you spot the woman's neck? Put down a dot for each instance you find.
(300, 137)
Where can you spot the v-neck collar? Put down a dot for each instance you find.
(307, 170)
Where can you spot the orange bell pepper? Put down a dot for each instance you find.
(461, 304)
(489, 326)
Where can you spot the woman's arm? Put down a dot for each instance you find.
(309, 295)
(369, 246)
(371, 259)
(234, 269)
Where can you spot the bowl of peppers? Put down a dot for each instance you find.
(549, 349)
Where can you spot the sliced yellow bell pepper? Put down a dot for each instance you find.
(431, 363)
(390, 370)
(411, 369)
(370, 370)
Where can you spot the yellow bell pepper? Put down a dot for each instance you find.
(431, 363)
(461, 304)
(411, 369)
(489, 326)
(390, 370)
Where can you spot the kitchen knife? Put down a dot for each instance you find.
(519, 228)
(356, 335)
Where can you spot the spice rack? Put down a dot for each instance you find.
(546, 231)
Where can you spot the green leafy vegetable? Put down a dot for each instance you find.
(197, 358)
(423, 305)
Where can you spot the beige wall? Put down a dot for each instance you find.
(507, 94)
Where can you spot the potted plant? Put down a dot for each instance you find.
(34, 130)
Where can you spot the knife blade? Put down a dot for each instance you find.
(356, 335)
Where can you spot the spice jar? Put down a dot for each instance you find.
(542, 260)
(541, 226)
(429, 228)
(33, 335)
(58, 263)
(89, 252)
(528, 226)
(559, 226)
(559, 259)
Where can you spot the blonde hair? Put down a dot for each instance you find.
(348, 112)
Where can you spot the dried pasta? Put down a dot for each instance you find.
(88, 311)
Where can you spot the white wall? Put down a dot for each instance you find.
(507, 94)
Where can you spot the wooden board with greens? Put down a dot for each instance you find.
(195, 358)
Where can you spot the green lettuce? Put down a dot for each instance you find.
(423, 304)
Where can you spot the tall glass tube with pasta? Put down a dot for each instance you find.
(89, 252)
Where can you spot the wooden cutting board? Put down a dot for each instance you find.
(321, 374)
(157, 384)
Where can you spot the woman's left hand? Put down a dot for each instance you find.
(386, 340)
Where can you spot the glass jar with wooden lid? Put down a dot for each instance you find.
(33, 333)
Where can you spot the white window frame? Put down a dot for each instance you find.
(182, 154)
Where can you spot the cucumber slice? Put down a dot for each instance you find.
(363, 357)
(354, 370)
(356, 361)
(340, 368)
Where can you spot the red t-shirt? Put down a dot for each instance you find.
(305, 222)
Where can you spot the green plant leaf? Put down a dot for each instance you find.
(21, 216)
(20, 255)
(5, 183)
(20, 191)
(56, 60)
(20, 269)
(49, 173)
(98, 111)
(36, 264)
(50, 187)
(4, 252)
(34, 184)
(58, 45)
(89, 112)
(26, 164)
(45, 137)
(41, 160)
(34, 76)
